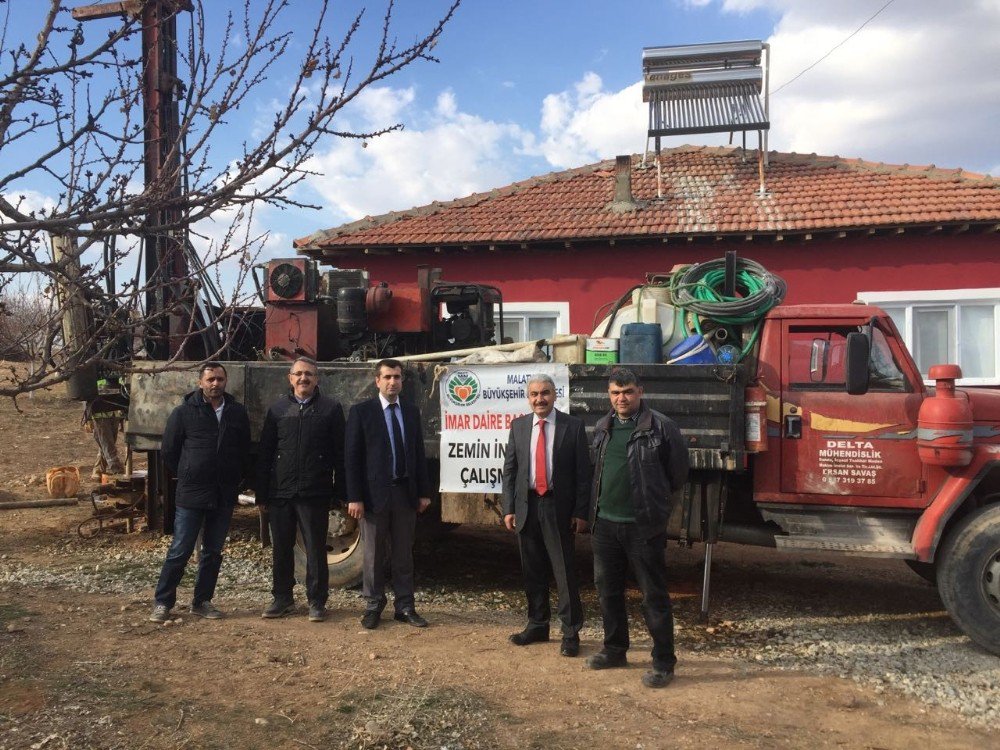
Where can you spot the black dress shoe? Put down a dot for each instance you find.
(529, 635)
(606, 660)
(410, 617)
(370, 618)
(570, 647)
(654, 678)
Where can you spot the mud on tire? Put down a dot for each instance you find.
(969, 576)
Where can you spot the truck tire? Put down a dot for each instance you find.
(344, 551)
(969, 576)
(926, 570)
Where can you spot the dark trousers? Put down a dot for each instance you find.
(617, 546)
(546, 552)
(388, 536)
(313, 521)
(188, 522)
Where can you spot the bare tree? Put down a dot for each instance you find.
(76, 148)
(29, 324)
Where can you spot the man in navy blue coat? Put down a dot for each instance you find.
(387, 486)
(206, 445)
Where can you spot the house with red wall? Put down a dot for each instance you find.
(921, 242)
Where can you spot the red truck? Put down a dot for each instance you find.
(824, 437)
(860, 456)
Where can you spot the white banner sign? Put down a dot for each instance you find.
(478, 403)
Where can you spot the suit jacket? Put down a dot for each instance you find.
(368, 455)
(571, 470)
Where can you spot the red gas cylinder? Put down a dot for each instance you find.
(944, 424)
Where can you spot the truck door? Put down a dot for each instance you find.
(836, 444)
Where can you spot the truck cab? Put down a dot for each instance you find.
(862, 457)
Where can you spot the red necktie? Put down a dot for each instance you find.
(541, 485)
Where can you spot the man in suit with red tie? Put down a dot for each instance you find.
(546, 499)
(387, 486)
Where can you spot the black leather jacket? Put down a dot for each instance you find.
(209, 458)
(302, 451)
(657, 466)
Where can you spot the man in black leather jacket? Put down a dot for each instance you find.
(640, 460)
(300, 471)
(206, 445)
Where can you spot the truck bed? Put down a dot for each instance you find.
(706, 401)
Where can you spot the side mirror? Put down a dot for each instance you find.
(818, 356)
(858, 354)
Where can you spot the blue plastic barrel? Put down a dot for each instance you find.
(641, 344)
(694, 350)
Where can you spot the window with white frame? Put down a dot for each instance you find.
(531, 321)
(957, 326)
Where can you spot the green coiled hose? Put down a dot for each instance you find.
(699, 289)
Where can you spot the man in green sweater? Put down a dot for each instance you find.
(640, 460)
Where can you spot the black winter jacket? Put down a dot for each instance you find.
(302, 452)
(209, 458)
(657, 466)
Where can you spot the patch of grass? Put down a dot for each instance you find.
(421, 717)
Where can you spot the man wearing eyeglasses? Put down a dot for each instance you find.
(300, 473)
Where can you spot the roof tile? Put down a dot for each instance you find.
(706, 190)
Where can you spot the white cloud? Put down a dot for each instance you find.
(380, 106)
(28, 201)
(588, 123)
(442, 154)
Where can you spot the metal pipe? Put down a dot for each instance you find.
(761, 155)
(566, 338)
(758, 536)
(706, 579)
(767, 93)
(659, 172)
(39, 503)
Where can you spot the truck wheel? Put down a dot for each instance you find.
(926, 570)
(969, 576)
(344, 551)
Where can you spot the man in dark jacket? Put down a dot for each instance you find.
(546, 499)
(640, 460)
(387, 485)
(300, 470)
(206, 445)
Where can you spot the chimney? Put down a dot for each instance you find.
(623, 201)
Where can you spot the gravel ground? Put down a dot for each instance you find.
(870, 621)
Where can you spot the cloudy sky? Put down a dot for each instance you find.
(526, 87)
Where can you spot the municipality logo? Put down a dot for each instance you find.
(463, 388)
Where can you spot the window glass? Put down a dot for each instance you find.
(513, 328)
(898, 315)
(883, 370)
(817, 360)
(931, 339)
(948, 326)
(541, 328)
(978, 346)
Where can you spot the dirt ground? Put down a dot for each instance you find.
(81, 667)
